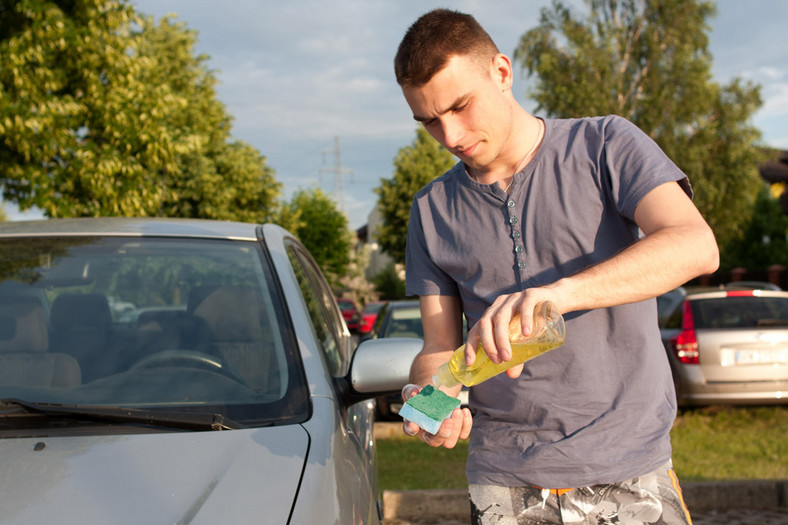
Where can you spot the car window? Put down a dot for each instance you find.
(326, 316)
(405, 322)
(740, 312)
(675, 319)
(371, 308)
(146, 322)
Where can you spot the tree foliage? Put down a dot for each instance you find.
(648, 60)
(103, 112)
(764, 241)
(324, 230)
(388, 283)
(414, 167)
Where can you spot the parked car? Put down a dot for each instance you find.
(401, 319)
(226, 390)
(728, 346)
(350, 313)
(751, 285)
(368, 315)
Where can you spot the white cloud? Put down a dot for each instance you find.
(776, 100)
(771, 73)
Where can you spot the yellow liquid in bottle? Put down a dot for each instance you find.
(549, 333)
(483, 369)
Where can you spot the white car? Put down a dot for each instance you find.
(727, 346)
(226, 390)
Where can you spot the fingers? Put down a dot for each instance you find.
(410, 390)
(456, 427)
(496, 328)
(467, 423)
(492, 330)
(411, 429)
(515, 371)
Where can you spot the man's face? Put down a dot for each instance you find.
(464, 107)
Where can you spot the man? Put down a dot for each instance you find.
(587, 213)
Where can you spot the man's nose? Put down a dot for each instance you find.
(453, 132)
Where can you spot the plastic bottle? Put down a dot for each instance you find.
(548, 332)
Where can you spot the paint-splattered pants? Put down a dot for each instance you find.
(651, 498)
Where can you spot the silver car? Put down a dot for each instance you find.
(178, 371)
(728, 346)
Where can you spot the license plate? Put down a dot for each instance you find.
(764, 356)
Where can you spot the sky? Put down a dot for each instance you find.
(310, 83)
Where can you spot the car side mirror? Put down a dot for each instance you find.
(380, 366)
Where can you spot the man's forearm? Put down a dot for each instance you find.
(425, 366)
(654, 265)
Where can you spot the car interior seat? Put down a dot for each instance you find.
(238, 332)
(80, 326)
(24, 344)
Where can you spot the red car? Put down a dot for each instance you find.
(368, 315)
(350, 313)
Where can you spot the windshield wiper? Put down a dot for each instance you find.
(117, 414)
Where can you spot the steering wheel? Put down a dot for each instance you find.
(191, 359)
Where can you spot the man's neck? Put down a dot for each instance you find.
(521, 147)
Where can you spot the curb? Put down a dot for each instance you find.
(441, 506)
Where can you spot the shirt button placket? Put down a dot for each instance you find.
(519, 250)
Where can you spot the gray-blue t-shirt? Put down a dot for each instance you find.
(600, 408)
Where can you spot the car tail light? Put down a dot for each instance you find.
(685, 344)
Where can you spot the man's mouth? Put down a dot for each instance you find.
(467, 151)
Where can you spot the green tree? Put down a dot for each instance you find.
(324, 231)
(648, 60)
(103, 112)
(764, 241)
(414, 167)
(354, 281)
(388, 283)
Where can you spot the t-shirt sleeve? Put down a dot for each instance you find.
(422, 275)
(636, 165)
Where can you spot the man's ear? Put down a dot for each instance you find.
(501, 70)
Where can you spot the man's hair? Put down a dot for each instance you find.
(436, 37)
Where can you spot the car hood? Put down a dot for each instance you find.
(237, 476)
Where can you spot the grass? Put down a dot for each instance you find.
(731, 443)
(714, 443)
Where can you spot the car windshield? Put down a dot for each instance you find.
(405, 322)
(740, 312)
(160, 324)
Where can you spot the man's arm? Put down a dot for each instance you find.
(441, 316)
(678, 245)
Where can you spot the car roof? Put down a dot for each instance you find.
(404, 303)
(736, 293)
(132, 227)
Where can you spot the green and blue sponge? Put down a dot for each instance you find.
(429, 408)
